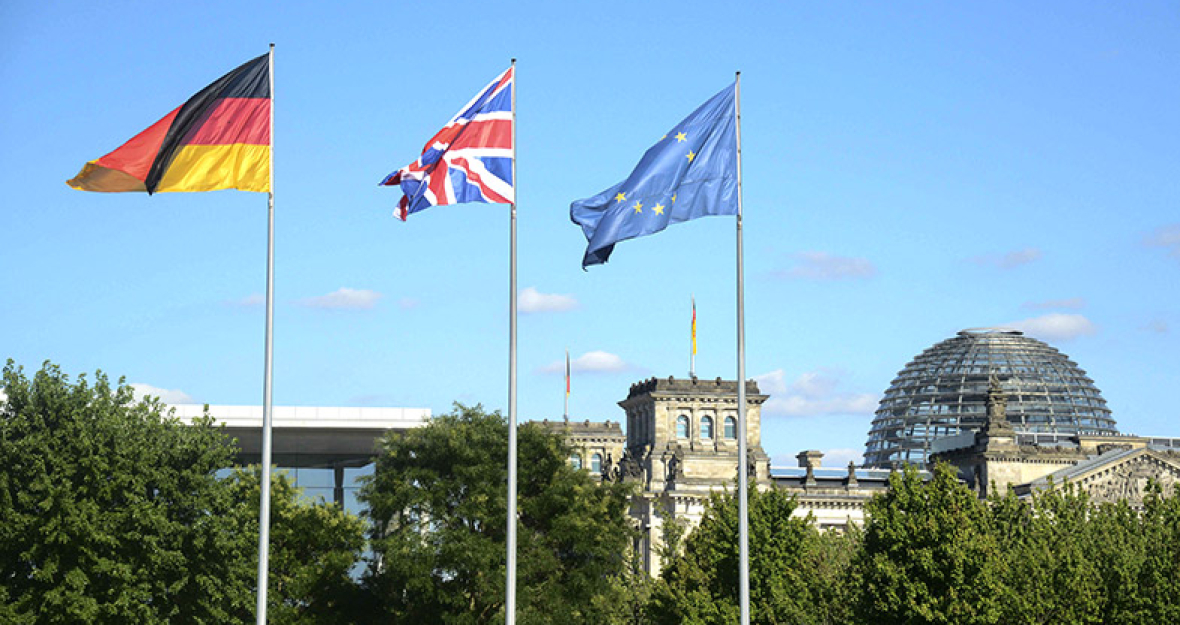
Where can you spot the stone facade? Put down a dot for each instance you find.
(1110, 467)
(681, 445)
(596, 446)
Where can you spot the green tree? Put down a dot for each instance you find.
(438, 506)
(928, 555)
(111, 512)
(700, 585)
(1157, 584)
(1050, 570)
(314, 546)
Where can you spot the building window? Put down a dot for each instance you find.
(575, 461)
(682, 426)
(707, 428)
(730, 428)
(596, 464)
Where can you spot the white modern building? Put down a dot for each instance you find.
(311, 441)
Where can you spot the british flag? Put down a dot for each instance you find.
(469, 160)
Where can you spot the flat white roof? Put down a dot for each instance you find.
(317, 417)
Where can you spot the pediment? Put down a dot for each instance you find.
(1122, 475)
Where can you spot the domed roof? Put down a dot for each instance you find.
(943, 392)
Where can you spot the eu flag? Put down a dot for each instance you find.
(691, 172)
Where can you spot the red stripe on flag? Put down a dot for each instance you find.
(233, 121)
(492, 133)
(135, 157)
(474, 178)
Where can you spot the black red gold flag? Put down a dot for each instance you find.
(218, 139)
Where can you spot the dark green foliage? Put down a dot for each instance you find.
(927, 555)
(791, 567)
(438, 506)
(111, 512)
(314, 546)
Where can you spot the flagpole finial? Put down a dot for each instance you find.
(514, 60)
(272, 45)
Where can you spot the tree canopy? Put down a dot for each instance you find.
(438, 506)
(794, 570)
(113, 512)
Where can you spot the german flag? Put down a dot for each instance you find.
(219, 139)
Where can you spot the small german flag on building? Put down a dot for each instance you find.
(219, 139)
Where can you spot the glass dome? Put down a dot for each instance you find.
(943, 392)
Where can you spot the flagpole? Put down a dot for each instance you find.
(510, 600)
(264, 474)
(566, 413)
(743, 463)
(692, 352)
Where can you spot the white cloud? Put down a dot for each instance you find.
(813, 393)
(590, 362)
(3, 396)
(841, 456)
(1009, 260)
(343, 298)
(530, 300)
(1056, 326)
(407, 303)
(825, 266)
(1168, 237)
(167, 396)
(1072, 303)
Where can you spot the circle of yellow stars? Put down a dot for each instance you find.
(658, 208)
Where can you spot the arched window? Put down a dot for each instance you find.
(682, 426)
(730, 428)
(575, 461)
(596, 464)
(707, 428)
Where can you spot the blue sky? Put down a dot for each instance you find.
(910, 169)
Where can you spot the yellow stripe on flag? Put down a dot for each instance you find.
(212, 167)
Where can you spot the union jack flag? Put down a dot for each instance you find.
(469, 160)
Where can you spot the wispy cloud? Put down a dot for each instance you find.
(1071, 303)
(590, 362)
(168, 396)
(250, 301)
(407, 303)
(1056, 326)
(530, 300)
(1009, 260)
(1158, 326)
(841, 456)
(343, 298)
(1166, 237)
(824, 266)
(812, 394)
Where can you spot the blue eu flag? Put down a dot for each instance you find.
(690, 173)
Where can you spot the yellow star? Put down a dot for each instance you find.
(691, 155)
(620, 197)
(680, 136)
(638, 207)
(658, 208)
(673, 198)
(663, 137)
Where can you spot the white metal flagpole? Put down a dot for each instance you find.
(743, 461)
(264, 499)
(510, 599)
(692, 356)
